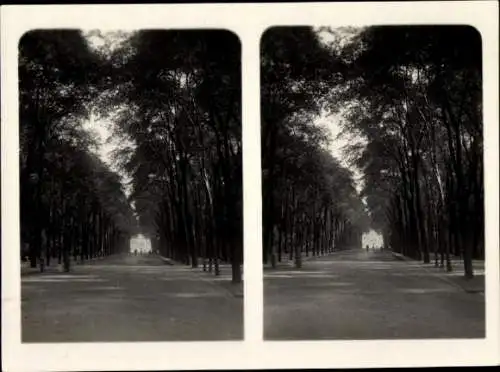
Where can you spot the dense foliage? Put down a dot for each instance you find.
(71, 203)
(310, 203)
(176, 98)
(415, 93)
(412, 95)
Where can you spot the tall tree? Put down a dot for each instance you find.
(178, 95)
(414, 93)
(307, 195)
(58, 81)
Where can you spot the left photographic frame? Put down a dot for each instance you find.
(130, 166)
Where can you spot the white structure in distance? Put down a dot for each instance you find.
(372, 239)
(140, 243)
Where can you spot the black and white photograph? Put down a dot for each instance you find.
(372, 182)
(130, 185)
(249, 186)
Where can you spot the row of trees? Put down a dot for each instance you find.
(412, 95)
(415, 93)
(176, 103)
(310, 203)
(71, 202)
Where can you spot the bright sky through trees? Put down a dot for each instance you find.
(103, 128)
(99, 127)
(339, 36)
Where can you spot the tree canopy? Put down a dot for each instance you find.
(71, 202)
(177, 100)
(174, 98)
(414, 93)
(310, 202)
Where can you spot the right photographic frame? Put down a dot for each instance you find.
(372, 182)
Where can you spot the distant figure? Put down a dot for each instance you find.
(42, 263)
(367, 247)
(135, 252)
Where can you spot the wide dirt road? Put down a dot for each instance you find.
(367, 295)
(128, 298)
